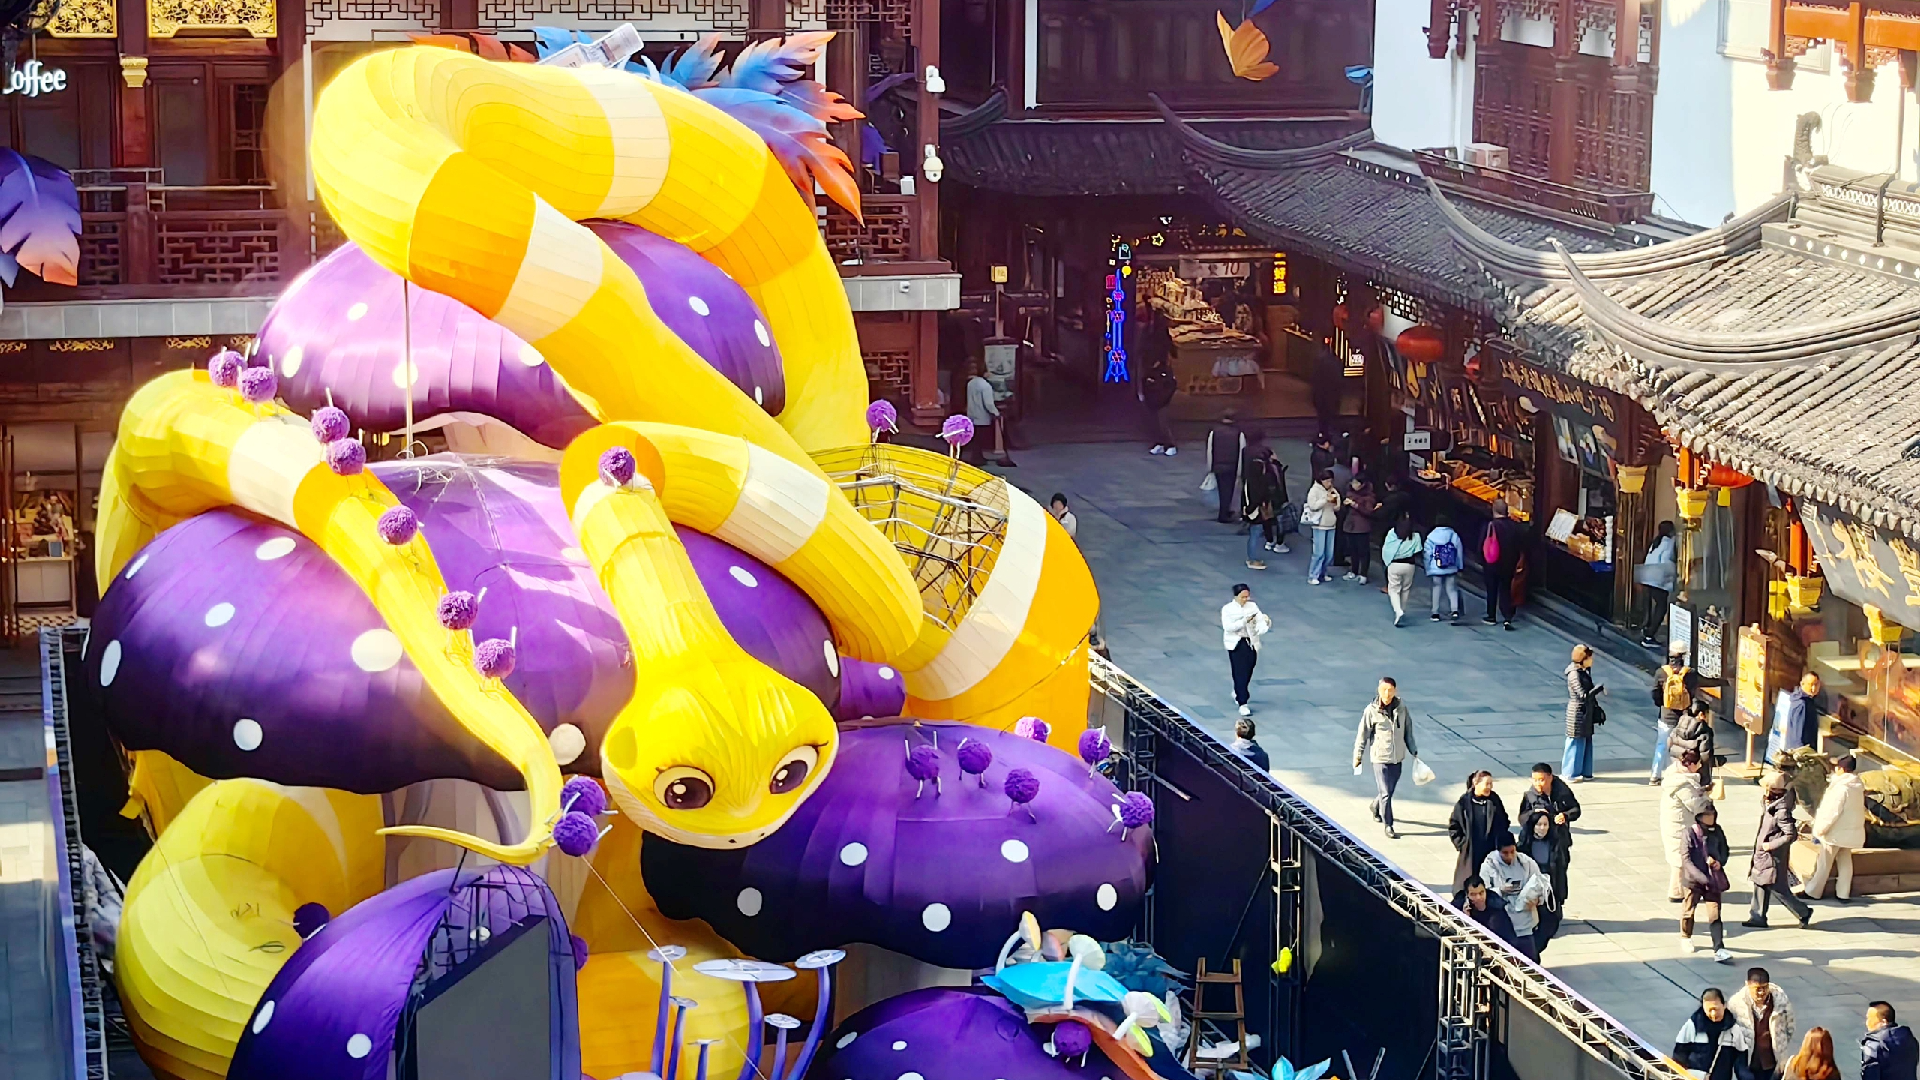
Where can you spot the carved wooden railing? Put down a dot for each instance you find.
(1612, 207)
(885, 236)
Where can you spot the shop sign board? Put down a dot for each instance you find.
(1750, 681)
(1205, 269)
(1417, 440)
(1710, 641)
(1585, 418)
(1680, 629)
(1865, 565)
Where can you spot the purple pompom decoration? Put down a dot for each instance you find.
(1071, 1039)
(346, 456)
(309, 918)
(258, 385)
(494, 658)
(1022, 787)
(882, 416)
(1136, 809)
(923, 764)
(575, 833)
(974, 757)
(457, 610)
(225, 367)
(957, 431)
(583, 793)
(329, 423)
(617, 466)
(1094, 746)
(580, 953)
(1032, 727)
(397, 525)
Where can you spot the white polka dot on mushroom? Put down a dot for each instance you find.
(262, 1018)
(376, 650)
(936, 917)
(759, 396)
(833, 659)
(900, 1045)
(109, 663)
(760, 331)
(277, 548)
(1014, 851)
(886, 673)
(749, 901)
(744, 576)
(568, 742)
(359, 1046)
(405, 374)
(698, 305)
(853, 854)
(219, 614)
(845, 1040)
(911, 1076)
(134, 567)
(247, 734)
(529, 355)
(1106, 896)
(290, 363)
(356, 312)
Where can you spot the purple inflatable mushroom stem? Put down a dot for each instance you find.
(748, 973)
(821, 962)
(680, 1007)
(664, 955)
(975, 758)
(705, 1045)
(1022, 786)
(782, 1023)
(923, 764)
(1094, 748)
(1032, 727)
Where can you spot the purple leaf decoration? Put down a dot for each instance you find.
(397, 525)
(457, 610)
(1094, 746)
(575, 833)
(974, 757)
(329, 423)
(582, 793)
(39, 219)
(957, 431)
(1032, 727)
(882, 416)
(346, 456)
(494, 658)
(1136, 810)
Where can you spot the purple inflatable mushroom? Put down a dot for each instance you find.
(938, 879)
(947, 1033)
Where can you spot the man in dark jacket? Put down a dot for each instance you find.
(1491, 914)
(1770, 846)
(1225, 444)
(1889, 1052)
(1551, 801)
(1509, 541)
(1712, 1043)
(1805, 706)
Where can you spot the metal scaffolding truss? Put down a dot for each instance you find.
(1495, 965)
(83, 968)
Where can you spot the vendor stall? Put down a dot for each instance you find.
(1210, 357)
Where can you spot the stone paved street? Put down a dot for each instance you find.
(1481, 698)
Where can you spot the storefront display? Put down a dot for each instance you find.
(1210, 357)
(43, 545)
(1873, 581)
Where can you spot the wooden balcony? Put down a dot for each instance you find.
(1867, 33)
(141, 240)
(895, 237)
(1612, 207)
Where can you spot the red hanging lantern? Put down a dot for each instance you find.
(1340, 317)
(1725, 476)
(1422, 344)
(1377, 320)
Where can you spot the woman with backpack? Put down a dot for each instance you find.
(1444, 551)
(1673, 687)
(1401, 551)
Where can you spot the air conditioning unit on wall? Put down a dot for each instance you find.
(1487, 155)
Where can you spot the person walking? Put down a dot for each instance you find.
(1225, 444)
(1703, 874)
(1712, 1044)
(1889, 1052)
(1487, 910)
(1656, 575)
(1694, 731)
(1501, 547)
(1444, 556)
(1767, 1015)
(1516, 879)
(1158, 384)
(1681, 801)
(1241, 624)
(1356, 529)
(1247, 746)
(1673, 688)
(1583, 715)
(1547, 813)
(1402, 551)
(1257, 504)
(1321, 514)
(1815, 1059)
(1840, 824)
(1770, 846)
(1478, 821)
(1385, 739)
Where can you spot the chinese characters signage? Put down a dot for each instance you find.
(1865, 565)
(1750, 681)
(1568, 397)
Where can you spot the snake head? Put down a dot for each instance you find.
(718, 756)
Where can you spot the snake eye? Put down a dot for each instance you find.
(792, 772)
(683, 787)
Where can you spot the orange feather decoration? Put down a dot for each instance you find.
(1246, 50)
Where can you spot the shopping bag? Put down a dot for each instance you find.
(1422, 775)
(1719, 789)
(1209, 483)
(1261, 624)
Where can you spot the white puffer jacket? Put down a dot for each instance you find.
(1681, 797)
(1842, 817)
(1322, 509)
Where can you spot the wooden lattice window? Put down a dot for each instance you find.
(246, 109)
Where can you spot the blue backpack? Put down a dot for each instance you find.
(1446, 556)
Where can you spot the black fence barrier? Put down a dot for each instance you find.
(1380, 965)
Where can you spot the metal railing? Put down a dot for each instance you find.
(1465, 942)
(84, 1001)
